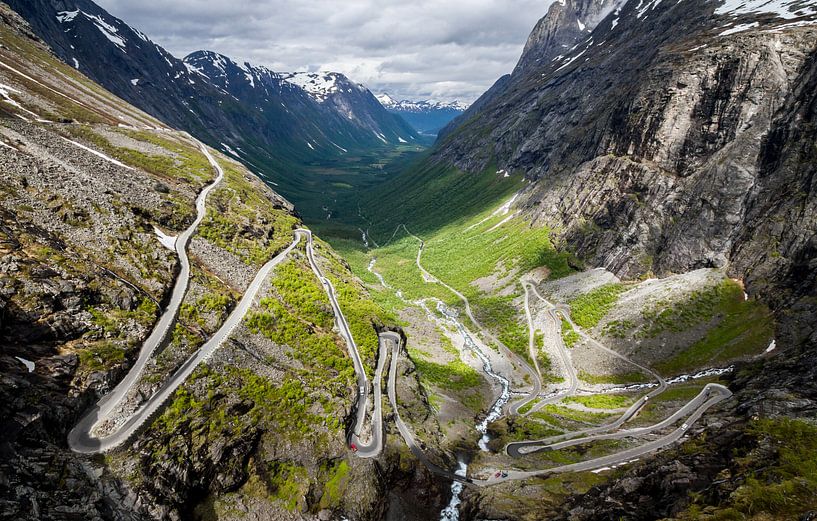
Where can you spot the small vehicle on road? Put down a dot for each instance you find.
(353, 447)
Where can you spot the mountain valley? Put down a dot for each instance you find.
(231, 293)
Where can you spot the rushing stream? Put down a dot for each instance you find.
(496, 409)
(706, 373)
(451, 513)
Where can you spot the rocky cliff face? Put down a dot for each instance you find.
(676, 136)
(657, 144)
(566, 23)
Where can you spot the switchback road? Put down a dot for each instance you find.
(81, 438)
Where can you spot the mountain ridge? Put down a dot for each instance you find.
(293, 129)
(425, 116)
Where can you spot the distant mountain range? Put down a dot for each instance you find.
(426, 117)
(274, 122)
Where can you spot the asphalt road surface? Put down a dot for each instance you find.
(80, 438)
(716, 393)
(393, 340)
(165, 324)
(375, 445)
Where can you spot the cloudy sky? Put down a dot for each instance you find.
(441, 49)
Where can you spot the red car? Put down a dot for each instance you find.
(353, 447)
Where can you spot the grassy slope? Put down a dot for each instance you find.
(459, 253)
(303, 404)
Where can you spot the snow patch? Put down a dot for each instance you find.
(380, 136)
(5, 93)
(739, 28)
(168, 241)
(571, 60)
(401, 140)
(134, 82)
(772, 346)
(76, 63)
(786, 9)
(98, 154)
(109, 31)
(419, 106)
(28, 363)
(649, 6)
(230, 150)
(67, 16)
(319, 85)
(501, 223)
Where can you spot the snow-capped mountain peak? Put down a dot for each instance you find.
(418, 106)
(321, 85)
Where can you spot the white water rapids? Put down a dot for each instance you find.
(451, 513)
(496, 409)
(706, 373)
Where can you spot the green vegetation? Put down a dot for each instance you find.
(601, 401)
(569, 335)
(618, 328)
(243, 221)
(498, 314)
(432, 196)
(681, 393)
(588, 309)
(520, 428)
(300, 316)
(789, 482)
(216, 299)
(699, 307)
(528, 406)
(743, 328)
(99, 356)
(286, 482)
(281, 408)
(514, 245)
(360, 311)
(616, 378)
(551, 413)
(455, 375)
(780, 481)
(181, 162)
(112, 322)
(502, 252)
(336, 485)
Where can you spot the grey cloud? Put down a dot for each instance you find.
(451, 49)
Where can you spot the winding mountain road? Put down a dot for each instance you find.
(717, 393)
(81, 438)
(711, 395)
(524, 448)
(160, 331)
(374, 446)
(393, 339)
